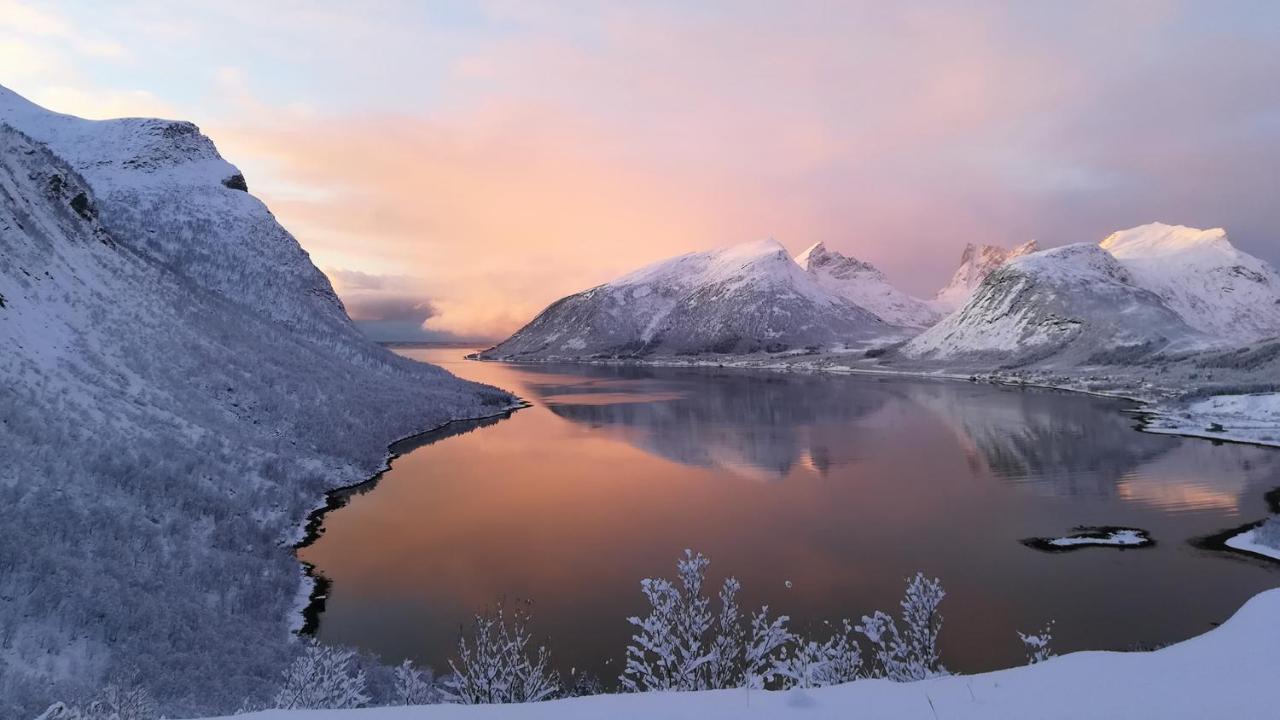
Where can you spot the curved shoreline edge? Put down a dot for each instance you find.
(305, 615)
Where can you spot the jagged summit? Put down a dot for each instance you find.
(976, 263)
(747, 298)
(863, 284)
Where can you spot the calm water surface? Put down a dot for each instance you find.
(839, 486)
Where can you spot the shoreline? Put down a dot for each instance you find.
(314, 588)
(1145, 410)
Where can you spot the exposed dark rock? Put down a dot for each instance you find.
(236, 182)
(80, 203)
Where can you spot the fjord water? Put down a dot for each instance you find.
(820, 493)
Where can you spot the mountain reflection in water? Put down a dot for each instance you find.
(821, 493)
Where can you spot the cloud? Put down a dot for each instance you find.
(488, 159)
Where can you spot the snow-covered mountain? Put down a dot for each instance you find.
(1216, 288)
(743, 299)
(976, 263)
(179, 386)
(865, 286)
(1073, 305)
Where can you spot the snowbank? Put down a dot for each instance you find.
(1248, 542)
(1253, 418)
(1227, 672)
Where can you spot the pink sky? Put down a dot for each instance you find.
(465, 164)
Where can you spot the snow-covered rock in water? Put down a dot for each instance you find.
(743, 299)
(1073, 305)
(864, 285)
(179, 387)
(976, 263)
(1216, 288)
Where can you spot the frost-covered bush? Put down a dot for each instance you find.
(413, 686)
(681, 645)
(1268, 533)
(807, 663)
(909, 653)
(1039, 645)
(114, 702)
(323, 677)
(498, 664)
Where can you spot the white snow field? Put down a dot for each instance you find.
(1248, 541)
(1229, 672)
(1216, 288)
(1252, 417)
(179, 387)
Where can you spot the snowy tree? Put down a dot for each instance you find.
(413, 686)
(810, 664)
(910, 653)
(1039, 644)
(499, 664)
(726, 667)
(322, 677)
(674, 648)
(769, 639)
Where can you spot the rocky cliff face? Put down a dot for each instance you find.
(865, 286)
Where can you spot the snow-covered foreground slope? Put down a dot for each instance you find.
(179, 386)
(744, 299)
(1215, 287)
(1074, 305)
(976, 263)
(865, 286)
(1229, 672)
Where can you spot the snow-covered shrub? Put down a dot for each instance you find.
(725, 669)
(910, 653)
(114, 702)
(498, 664)
(768, 642)
(678, 646)
(807, 663)
(583, 684)
(1038, 644)
(1268, 533)
(323, 677)
(413, 686)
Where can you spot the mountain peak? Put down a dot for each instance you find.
(1159, 239)
(815, 250)
(976, 263)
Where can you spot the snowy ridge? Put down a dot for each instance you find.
(1215, 287)
(1075, 305)
(179, 384)
(865, 286)
(743, 299)
(167, 180)
(976, 263)
(1227, 672)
